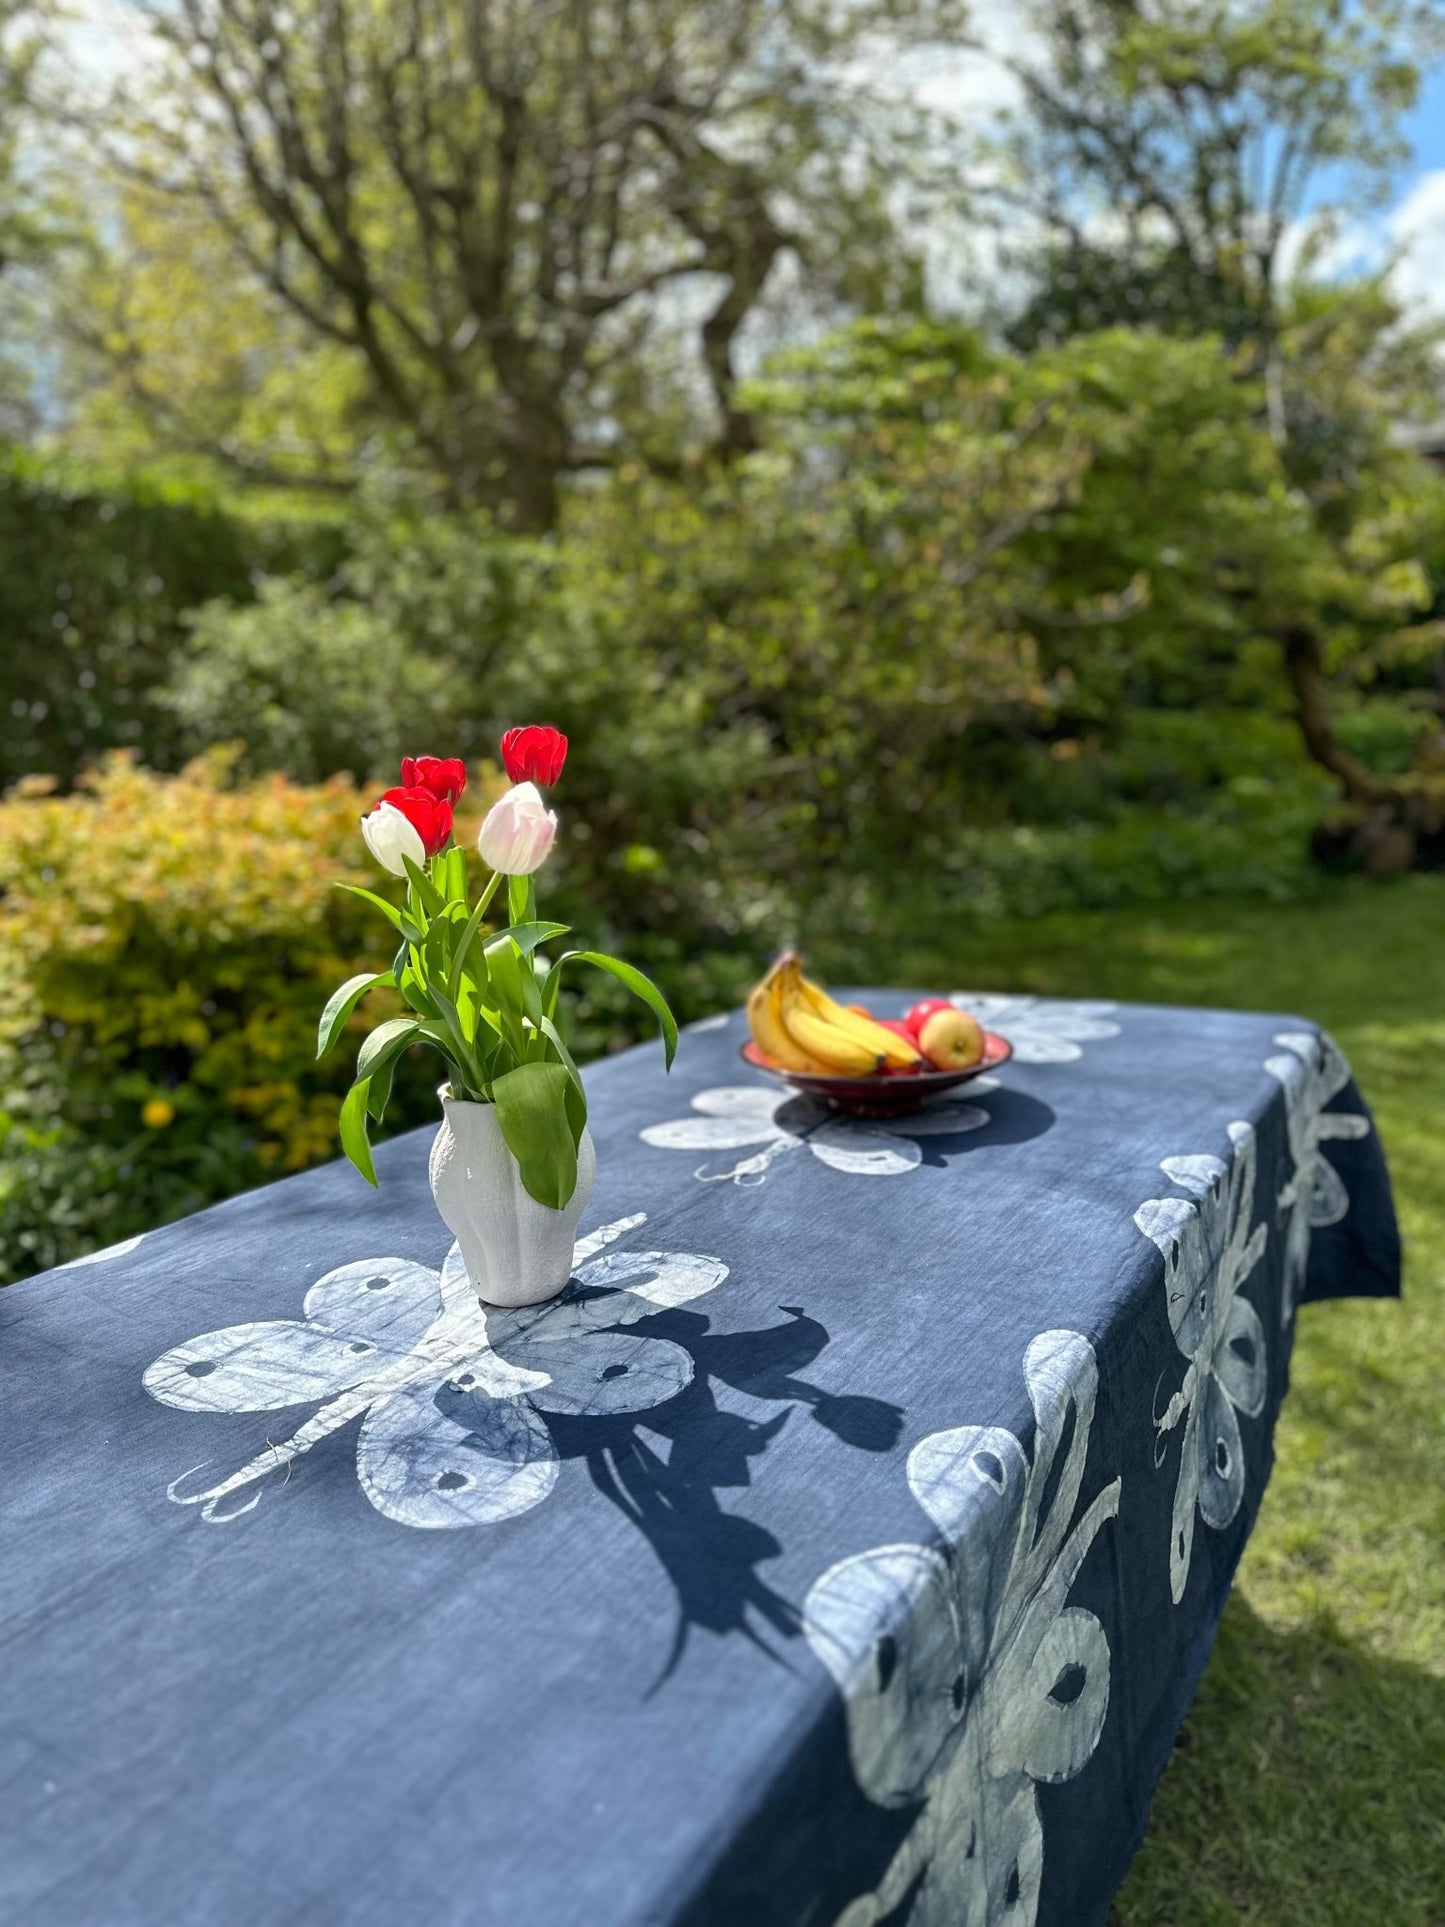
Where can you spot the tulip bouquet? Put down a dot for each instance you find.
(477, 994)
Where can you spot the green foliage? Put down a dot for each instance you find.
(929, 628)
(165, 945)
(1196, 136)
(403, 644)
(93, 594)
(488, 262)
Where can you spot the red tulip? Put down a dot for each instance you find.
(444, 777)
(430, 816)
(534, 754)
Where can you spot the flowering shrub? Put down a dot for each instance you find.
(165, 943)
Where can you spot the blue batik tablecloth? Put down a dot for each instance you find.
(847, 1543)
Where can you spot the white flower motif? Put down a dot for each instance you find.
(1042, 1030)
(1311, 1070)
(450, 1395)
(968, 1678)
(735, 1117)
(1209, 1252)
(104, 1256)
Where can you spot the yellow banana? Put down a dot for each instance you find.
(867, 1035)
(770, 1034)
(835, 1047)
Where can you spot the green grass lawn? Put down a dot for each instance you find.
(1308, 1786)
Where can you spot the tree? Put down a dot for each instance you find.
(1168, 153)
(31, 220)
(499, 210)
(20, 229)
(1174, 158)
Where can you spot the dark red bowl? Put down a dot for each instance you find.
(878, 1096)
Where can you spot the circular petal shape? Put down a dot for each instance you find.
(604, 1372)
(972, 1483)
(1050, 1720)
(1220, 1457)
(518, 833)
(706, 1134)
(390, 835)
(1239, 1358)
(534, 754)
(482, 1460)
(1041, 1031)
(739, 1100)
(863, 1153)
(883, 1624)
(391, 1301)
(260, 1367)
(661, 1279)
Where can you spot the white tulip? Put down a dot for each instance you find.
(518, 833)
(390, 837)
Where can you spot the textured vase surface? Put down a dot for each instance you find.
(517, 1252)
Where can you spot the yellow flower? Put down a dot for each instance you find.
(157, 1114)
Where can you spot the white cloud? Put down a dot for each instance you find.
(1416, 228)
(103, 41)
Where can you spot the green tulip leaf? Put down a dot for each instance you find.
(380, 1092)
(529, 936)
(641, 987)
(532, 1111)
(354, 1140)
(385, 1042)
(388, 910)
(427, 894)
(341, 1004)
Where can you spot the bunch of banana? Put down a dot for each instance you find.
(798, 1027)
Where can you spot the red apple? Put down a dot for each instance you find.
(918, 1016)
(951, 1040)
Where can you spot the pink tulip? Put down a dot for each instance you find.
(518, 833)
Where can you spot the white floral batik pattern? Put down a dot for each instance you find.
(105, 1255)
(451, 1395)
(1040, 1029)
(1311, 1071)
(968, 1678)
(769, 1125)
(1211, 1246)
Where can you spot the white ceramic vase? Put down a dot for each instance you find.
(517, 1252)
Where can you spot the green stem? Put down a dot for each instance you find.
(454, 979)
(470, 1067)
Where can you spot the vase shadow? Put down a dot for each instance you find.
(665, 1468)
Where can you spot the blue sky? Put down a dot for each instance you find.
(1427, 129)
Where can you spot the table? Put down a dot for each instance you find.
(848, 1543)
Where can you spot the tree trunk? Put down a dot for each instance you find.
(1304, 670)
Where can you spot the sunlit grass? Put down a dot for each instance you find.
(1308, 1788)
